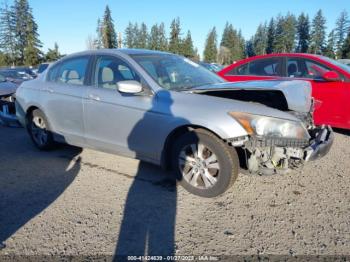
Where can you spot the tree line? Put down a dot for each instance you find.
(140, 36)
(19, 38)
(282, 34)
(20, 43)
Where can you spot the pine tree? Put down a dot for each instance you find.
(153, 41)
(271, 31)
(285, 33)
(20, 12)
(342, 27)
(279, 45)
(187, 46)
(226, 45)
(32, 53)
(318, 33)
(210, 50)
(142, 39)
(260, 40)
(7, 35)
(109, 37)
(303, 33)
(249, 49)
(232, 43)
(163, 42)
(346, 47)
(330, 48)
(98, 40)
(53, 54)
(175, 36)
(130, 36)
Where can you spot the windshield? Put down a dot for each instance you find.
(338, 64)
(174, 72)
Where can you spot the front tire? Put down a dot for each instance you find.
(204, 164)
(38, 130)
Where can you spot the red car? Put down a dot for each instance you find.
(330, 81)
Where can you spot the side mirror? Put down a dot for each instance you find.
(129, 87)
(331, 76)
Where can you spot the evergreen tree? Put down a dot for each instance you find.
(128, 37)
(187, 46)
(285, 33)
(175, 38)
(271, 31)
(249, 48)
(53, 54)
(32, 53)
(330, 48)
(227, 44)
(303, 33)
(318, 33)
(210, 50)
(346, 47)
(109, 37)
(20, 12)
(279, 45)
(163, 42)
(7, 36)
(342, 27)
(153, 41)
(260, 40)
(99, 30)
(142, 39)
(232, 43)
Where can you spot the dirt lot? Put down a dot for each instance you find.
(73, 202)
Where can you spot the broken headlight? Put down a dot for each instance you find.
(270, 126)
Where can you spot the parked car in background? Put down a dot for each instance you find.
(167, 110)
(42, 67)
(344, 61)
(16, 75)
(7, 106)
(330, 81)
(211, 67)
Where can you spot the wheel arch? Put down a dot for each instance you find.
(171, 138)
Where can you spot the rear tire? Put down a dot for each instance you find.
(203, 164)
(38, 129)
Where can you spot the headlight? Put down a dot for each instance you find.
(270, 127)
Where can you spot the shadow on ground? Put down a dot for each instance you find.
(30, 180)
(342, 131)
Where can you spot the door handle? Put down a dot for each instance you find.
(94, 97)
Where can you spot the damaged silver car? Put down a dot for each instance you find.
(167, 110)
(7, 105)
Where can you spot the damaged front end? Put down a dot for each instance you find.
(268, 155)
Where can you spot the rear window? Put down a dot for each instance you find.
(260, 67)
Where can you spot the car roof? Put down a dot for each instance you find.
(127, 51)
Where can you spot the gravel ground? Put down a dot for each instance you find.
(82, 202)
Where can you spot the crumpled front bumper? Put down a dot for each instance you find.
(320, 145)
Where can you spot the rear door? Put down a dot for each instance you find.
(332, 107)
(62, 98)
(260, 69)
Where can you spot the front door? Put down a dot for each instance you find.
(112, 118)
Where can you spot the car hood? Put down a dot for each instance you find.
(296, 92)
(7, 88)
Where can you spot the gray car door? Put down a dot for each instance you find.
(113, 119)
(62, 98)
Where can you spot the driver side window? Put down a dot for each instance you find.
(110, 70)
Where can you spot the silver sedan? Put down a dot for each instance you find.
(168, 110)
